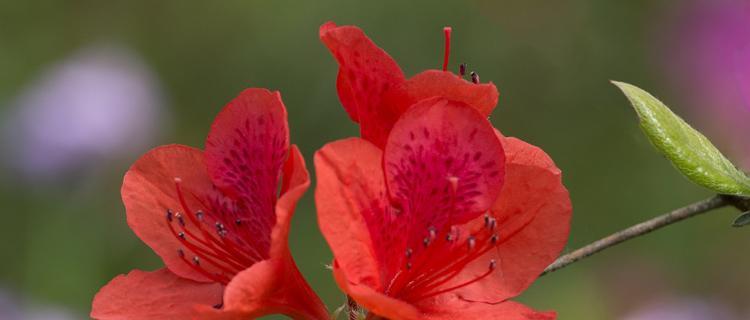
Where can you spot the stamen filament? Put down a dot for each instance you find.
(223, 279)
(447, 273)
(447, 32)
(221, 244)
(247, 252)
(486, 274)
(443, 260)
(205, 253)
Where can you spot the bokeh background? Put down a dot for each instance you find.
(87, 86)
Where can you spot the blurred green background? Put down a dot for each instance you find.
(551, 60)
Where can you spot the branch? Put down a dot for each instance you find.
(642, 228)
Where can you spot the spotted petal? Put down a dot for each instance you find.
(444, 165)
(245, 151)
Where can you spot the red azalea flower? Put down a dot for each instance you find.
(373, 90)
(444, 218)
(449, 221)
(219, 222)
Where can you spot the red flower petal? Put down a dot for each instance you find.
(444, 164)
(247, 145)
(295, 182)
(272, 286)
(374, 301)
(245, 151)
(154, 295)
(206, 313)
(294, 171)
(436, 83)
(149, 190)
(366, 72)
(450, 307)
(533, 220)
(353, 213)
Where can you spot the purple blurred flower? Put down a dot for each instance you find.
(14, 308)
(682, 309)
(99, 104)
(639, 288)
(707, 54)
(8, 306)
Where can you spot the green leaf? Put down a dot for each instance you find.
(690, 152)
(742, 220)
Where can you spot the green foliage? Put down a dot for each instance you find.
(690, 152)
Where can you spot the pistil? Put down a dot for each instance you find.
(447, 32)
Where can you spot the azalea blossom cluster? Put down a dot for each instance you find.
(431, 214)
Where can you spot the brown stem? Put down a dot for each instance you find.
(353, 308)
(645, 227)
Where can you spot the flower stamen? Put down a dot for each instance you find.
(442, 259)
(474, 77)
(218, 250)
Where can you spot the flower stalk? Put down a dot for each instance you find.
(677, 215)
(353, 308)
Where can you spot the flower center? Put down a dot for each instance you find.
(441, 257)
(213, 245)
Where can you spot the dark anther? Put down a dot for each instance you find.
(493, 264)
(181, 235)
(474, 77)
(432, 232)
(449, 237)
(196, 260)
(426, 242)
(170, 215)
(494, 239)
(471, 242)
(238, 222)
(491, 223)
(462, 69)
(486, 220)
(408, 265)
(220, 230)
(180, 219)
(180, 253)
(408, 252)
(218, 306)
